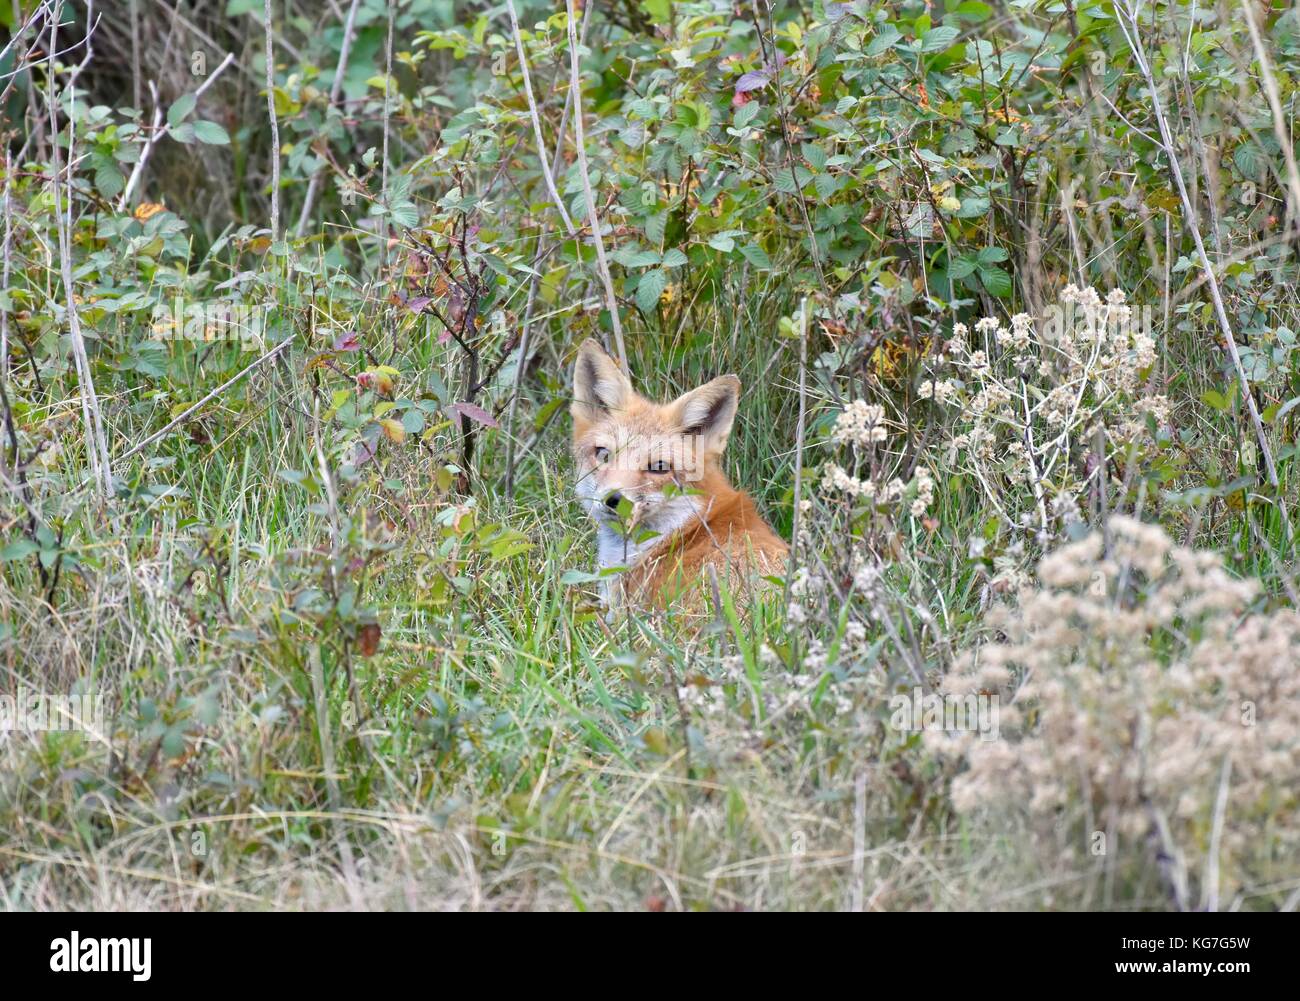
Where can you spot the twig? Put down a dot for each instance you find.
(383, 167)
(336, 88)
(580, 140)
(324, 734)
(19, 61)
(787, 140)
(859, 837)
(275, 124)
(4, 278)
(537, 123)
(160, 130)
(1210, 889)
(188, 411)
(1127, 21)
(96, 441)
(525, 334)
(1279, 119)
(798, 446)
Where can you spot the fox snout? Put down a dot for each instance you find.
(605, 498)
(652, 455)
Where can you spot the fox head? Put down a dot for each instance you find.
(650, 454)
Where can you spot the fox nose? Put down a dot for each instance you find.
(612, 500)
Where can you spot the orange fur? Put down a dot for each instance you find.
(702, 525)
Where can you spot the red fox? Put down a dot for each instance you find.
(650, 476)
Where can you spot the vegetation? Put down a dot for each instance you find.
(290, 296)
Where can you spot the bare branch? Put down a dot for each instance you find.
(275, 125)
(336, 88)
(96, 440)
(160, 130)
(593, 220)
(537, 122)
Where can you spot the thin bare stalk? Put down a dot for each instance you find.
(137, 95)
(787, 141)
(537, 122)
(96, 440)
(383, 167)
(798, 447)
(4, 278)
(160, 130)
(593, 220)
(336, 88)
(1128, 24)
(1210, 889)
(1279, 119)
(525, 334)
(275, 123)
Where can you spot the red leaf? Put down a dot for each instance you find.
(363, 452)
(347, 342)
(475, 413)
(417, 304)
(368, 639)
(752, 80)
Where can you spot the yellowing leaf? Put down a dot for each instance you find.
(147, 210)
(393, 430)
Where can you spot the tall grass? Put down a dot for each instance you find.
(338, 680)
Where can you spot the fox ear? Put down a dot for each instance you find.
(599, 385)
(709, 411)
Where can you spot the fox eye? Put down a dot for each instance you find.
(602, 453)
(659, 466)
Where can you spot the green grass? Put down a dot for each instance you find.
(374, 688)
(501, 748)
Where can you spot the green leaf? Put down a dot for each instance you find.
(886, 38)
(784, 181)
(108, 179)
(756, 256)
(211, 133)
(181, 109)
(973, 10)
(674, 258)
(659, 11)
(1246, 158)
(937, 39)
(413, 421)
(962, 267)
(631, 257)
(746, 113)
(572, 577)
(650, 288)
(655, 226)
(1215, 399)
(814, 154)
(405, 214)
(996, 281)
(18, 549)
(173, 742)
